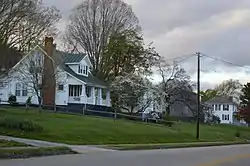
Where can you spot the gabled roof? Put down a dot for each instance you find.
(63, 58)
(70, 57)
(90, 80)
(221, 100)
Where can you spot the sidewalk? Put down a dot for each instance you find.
(38, 143)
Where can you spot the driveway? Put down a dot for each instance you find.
(210, 156)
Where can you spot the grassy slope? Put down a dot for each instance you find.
(75, 129)
(4, 143)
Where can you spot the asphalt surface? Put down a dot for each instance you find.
(210, 156)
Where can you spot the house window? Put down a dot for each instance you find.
(82, 69)
(104, 94)
(225, 107)
(1, 84)
(75, 90)
(88, 91)
(21, 90)
(217, 107)
(79, 69)
(60, 87)
(87, 68)
(225, 117)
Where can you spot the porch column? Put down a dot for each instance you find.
(83, 95)
(108, 98)
(99, 98)
(93, 95)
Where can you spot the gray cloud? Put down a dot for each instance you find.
(217, 28)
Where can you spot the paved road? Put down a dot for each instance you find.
(211, 156)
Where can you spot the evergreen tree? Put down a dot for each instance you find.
(244, 112)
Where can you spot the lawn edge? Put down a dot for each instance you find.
(176, 146)
(10, 143)
(34, 152)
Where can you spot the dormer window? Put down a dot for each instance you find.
(83, 69)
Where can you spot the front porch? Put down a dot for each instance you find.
(81, 94)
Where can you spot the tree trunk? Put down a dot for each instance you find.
(40, 104)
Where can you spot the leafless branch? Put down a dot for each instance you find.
(94, 21)
(24, 23)
(31, 71)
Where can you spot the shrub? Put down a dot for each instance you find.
(12, 99)
(216, 119)
(237, 134)
(167, 117)
(19, 124)
(28, 101)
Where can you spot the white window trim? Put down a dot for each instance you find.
(225, 117)
(225, 106)
(83, 69)
(58, 87)
(21, 88)
(76, 89)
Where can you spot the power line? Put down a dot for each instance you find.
(182, 56)
(182, 60)
(224, 61)
(215, 71)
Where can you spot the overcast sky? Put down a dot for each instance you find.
(218, 28)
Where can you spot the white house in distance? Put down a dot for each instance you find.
(224, 108)
(74, 83)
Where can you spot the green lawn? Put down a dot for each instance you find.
(74, 129)
(4, 143)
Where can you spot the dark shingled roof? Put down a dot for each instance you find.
(221, 99)
(90, 80)
(70, 57)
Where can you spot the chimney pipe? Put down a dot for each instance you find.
(48, 90)
(49, 46)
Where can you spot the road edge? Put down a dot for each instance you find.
(176, 146)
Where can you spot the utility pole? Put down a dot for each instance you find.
(198, 96)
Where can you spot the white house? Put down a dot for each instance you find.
(72, 83)
(224, 108)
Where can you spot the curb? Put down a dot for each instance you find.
(155, 147)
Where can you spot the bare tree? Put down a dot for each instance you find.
(31, 72)
(175, 86)
(23, 23)
(94, 22)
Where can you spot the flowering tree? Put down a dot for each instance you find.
(173, 86)
(134, 92)
(128, 92)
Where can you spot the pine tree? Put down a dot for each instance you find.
(244, 111)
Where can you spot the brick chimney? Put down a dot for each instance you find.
(49, 82)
